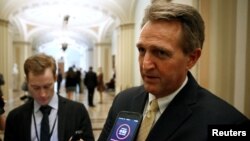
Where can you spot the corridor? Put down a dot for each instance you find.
(97, 114)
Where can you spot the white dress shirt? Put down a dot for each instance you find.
(162, 102)
(53, 120)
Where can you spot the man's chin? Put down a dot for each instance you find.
(150, 88)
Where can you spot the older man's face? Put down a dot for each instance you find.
(163, 65)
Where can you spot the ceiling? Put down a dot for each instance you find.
(42, 21)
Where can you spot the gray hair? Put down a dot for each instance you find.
(192, 23)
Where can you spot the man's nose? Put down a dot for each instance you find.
(147, 62)
(42, 91)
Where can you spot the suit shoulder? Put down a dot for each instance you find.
(70, 102)
(212, 103)
(71, 105)
(20, 109)
(132, 91)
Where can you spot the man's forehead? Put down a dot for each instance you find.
(46, 72)
(41, 84)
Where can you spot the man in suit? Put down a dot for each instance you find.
(65, 117)
(90, 81)
(169, 45)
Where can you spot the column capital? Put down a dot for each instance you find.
(21, 43)
(100, 44)
(127, 25)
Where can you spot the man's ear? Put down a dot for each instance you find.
(25, 79)
(193, 57)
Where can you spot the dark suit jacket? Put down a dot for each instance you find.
(185, 119)
(90, 80)
(72, 116)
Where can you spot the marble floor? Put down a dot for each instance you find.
(97, 114)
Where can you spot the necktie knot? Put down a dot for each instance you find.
(153, 108)
(45, 109)
(154, 105)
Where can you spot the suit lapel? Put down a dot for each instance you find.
(137, 103)
(170, 121)
(61, 118)
(26, 123)
(176, 113)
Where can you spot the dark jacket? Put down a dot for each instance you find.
(72, 116)
(90, 80)
(185, 119)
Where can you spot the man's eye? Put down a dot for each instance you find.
(161, 53)
(141, 50)
(36, 88)
(46, 87)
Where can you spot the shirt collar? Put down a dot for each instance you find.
(164, 101)
(53, 103)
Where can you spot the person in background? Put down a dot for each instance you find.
(79, 79)
(2, 116)
(90, 81)
(2, 104)
(111, 84)
(64, 116)
(59, 80)
(2, 82)
(26, 96)
(169, 45)
(100, 84)
(70, 83)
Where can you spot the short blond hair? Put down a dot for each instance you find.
(38, 63)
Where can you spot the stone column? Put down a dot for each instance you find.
(240, 74)
(223, 65)
(22, 50)
(104, 59)
(6, 55)
(125, 57)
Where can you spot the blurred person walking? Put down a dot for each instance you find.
(90, 81)
(100, 84)
(70, 82)
(59, 80)
(79, 80)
